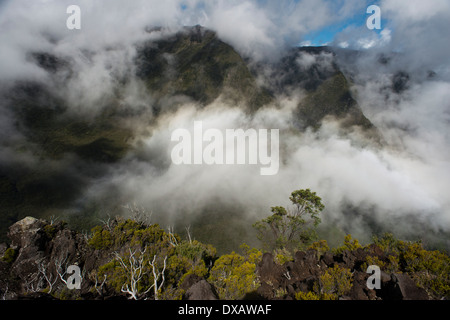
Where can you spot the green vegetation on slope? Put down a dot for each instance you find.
(197, 64)
(136, 260)
(332, 98)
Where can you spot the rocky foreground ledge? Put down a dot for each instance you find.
(34, 266)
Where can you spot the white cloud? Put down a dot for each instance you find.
(420, 29)
(414, 11)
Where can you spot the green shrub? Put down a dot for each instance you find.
(336, 282)
(10, 255)
(101, 238)
(282, 256)
(320, 246)
(234, 275)
(306, 296)
(349, 244)
(50, 231)
(430, 269)
(197, 251)
(387, 242)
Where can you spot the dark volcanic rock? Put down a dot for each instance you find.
(359, 290)
(306, 264)
(189, 281)
(202, 290)
(327, 258)
(402, 287)
(40, 249)
(269, 271)
(27, 233)
(28, 239)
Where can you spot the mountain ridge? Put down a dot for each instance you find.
(192, 65)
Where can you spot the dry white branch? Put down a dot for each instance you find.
(49, 278)
(287, 275)
(5, 292)
(53, 219)
(134, 269)
(98, 288)
(60, 269)
(156, 275)
(139, 214)
(172, 239)
(188, 228)
(107, 222)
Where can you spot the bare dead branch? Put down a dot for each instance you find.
(134, 268)
(156, 275)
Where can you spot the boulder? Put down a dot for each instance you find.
(359, 290)
(265, 291)
(401, 287)
(202, 290)
(190, 280)
(3, 248)
(269, 271)
(407, 289)
(328, 259)
(376, 251)
(27, 233)
(306, 265)
(197, 288)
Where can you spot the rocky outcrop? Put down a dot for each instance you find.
(401, 287)
(202, 290)
(38, 255)
(303, 275)
(197, 288)
(41, 253)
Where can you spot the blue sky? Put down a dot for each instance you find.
(327, 34)
(317, 37)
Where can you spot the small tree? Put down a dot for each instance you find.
(292, 228)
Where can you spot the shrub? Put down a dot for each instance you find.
(197, 251)
(336, 282)
(234, 275)
(320, 246)
(10, 255)
(306, 296)
(50, 231)
(387, 242)
(349, 244)
(282, 256)
(430, 269)
(101, 238)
